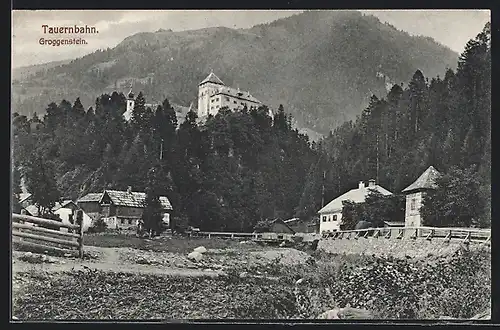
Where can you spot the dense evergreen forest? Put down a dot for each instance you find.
(238, 168)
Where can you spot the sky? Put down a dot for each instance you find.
(452, 28)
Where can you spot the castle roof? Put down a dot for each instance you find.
(212, 78)
(426, 180)
(229, 91)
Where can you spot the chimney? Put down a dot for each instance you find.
(371, 183)
(361, 185)
(129, 189)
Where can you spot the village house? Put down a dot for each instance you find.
(415, 194)
(25, 199)
(120, 209)
(300, 226)
(331, 213)
(66, 210)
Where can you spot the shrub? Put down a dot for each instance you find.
(98, 226)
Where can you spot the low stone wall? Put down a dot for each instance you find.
(399, 248)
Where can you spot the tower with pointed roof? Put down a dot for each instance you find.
(130, 105)
(415, 194)
(207, 88)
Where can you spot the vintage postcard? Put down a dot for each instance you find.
(279, 165)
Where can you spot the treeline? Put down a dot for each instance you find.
(240, 167)
(444, 122)
(226, 174)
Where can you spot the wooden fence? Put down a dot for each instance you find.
(225, 235)
(466, 235)
(269, 237)
(28, 231)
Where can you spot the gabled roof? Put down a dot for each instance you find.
(91, 197)
(64, 203)
(133, 199)
(23, 197)
(279, 221)
(212, 78)
(357, 195)
(32, 210)
(426, 180)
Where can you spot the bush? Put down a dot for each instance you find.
(98, 226)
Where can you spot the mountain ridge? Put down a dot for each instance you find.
(322, 66)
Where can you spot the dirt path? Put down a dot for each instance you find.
(109, 260)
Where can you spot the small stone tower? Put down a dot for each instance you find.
(415, 194)
(130, 105)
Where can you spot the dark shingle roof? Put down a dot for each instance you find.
(134, 199)
(91, 197)
(425, 181)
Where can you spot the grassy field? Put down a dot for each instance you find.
(170, 244)
(457, 286)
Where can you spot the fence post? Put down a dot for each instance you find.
(79, 221)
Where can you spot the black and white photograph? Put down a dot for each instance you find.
(276, 165)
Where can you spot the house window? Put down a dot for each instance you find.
(235, 102)
(334, 217)
(413, 204)
(216, 107)
(130, 221)
(217, 99)
(227, 98)
(324, 218)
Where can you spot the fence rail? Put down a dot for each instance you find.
(226, 235)
(28, 231)
(467, 235)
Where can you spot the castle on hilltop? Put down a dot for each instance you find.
(213, 95)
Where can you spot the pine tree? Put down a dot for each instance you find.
(41, 183)
(138, 120)
(152, 212)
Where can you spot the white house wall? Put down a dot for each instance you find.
(330, 224)
(64, 214)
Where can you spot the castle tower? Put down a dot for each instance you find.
(208, 87)
(130, 105)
